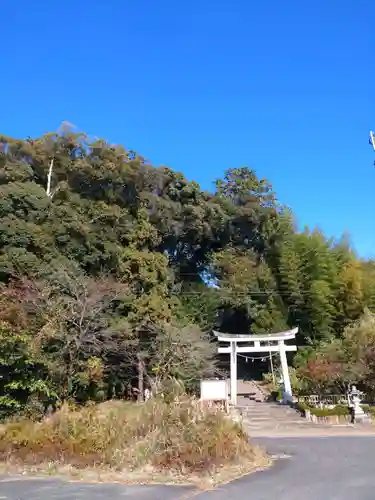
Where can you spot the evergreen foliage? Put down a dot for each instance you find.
(106, 262)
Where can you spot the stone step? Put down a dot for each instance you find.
(279, 424)
(268, 417)
(269, 411)
(271, 414)
(274, 409)
(251, 429)
(261, 416)
(267, 425)
(293, 415)
(276, 422)
(271, 421)
(267, 407)
(249, 391)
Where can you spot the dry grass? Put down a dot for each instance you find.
(178, 439)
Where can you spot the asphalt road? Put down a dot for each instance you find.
(327, 468)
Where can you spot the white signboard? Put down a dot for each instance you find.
(214, 390)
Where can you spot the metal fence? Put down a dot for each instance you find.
(324, 400)
(317, 400)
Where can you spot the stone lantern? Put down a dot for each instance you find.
(355, 397)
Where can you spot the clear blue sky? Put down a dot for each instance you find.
(286, 87)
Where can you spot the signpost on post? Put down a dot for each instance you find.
(214, 391)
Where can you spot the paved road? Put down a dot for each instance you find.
(328, 468)
(52, 489)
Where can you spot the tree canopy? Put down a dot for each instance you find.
(106, 262)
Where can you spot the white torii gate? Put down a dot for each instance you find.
(274, 342)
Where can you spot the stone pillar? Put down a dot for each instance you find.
(233, 373)
(287, 393)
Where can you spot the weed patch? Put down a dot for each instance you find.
(179, 437)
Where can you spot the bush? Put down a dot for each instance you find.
(180, 437)
(338, 410)
(369, 409)
(276, 395)
(302, 407)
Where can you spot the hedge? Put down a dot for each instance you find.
(338, 410)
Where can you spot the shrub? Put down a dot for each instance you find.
(179, 436)
(23, 378)
(276, 395)
(338, 410)
(369, 409)
(331, 412)
(301, 407)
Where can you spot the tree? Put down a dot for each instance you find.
(120, 257)
(324, 370)
(183, 353)
(351, 359)
(23, 374)
(83, 333)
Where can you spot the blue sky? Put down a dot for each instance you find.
(286, 88)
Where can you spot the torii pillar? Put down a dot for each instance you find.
(233, 373)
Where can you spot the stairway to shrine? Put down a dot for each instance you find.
(263, 418)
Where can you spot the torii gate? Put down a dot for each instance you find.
(273, 342)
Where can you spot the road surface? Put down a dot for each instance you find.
(328, 468)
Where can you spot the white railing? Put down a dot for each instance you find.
(324, 400)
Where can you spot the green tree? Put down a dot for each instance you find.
(81, 219)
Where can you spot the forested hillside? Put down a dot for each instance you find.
(110, 266)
